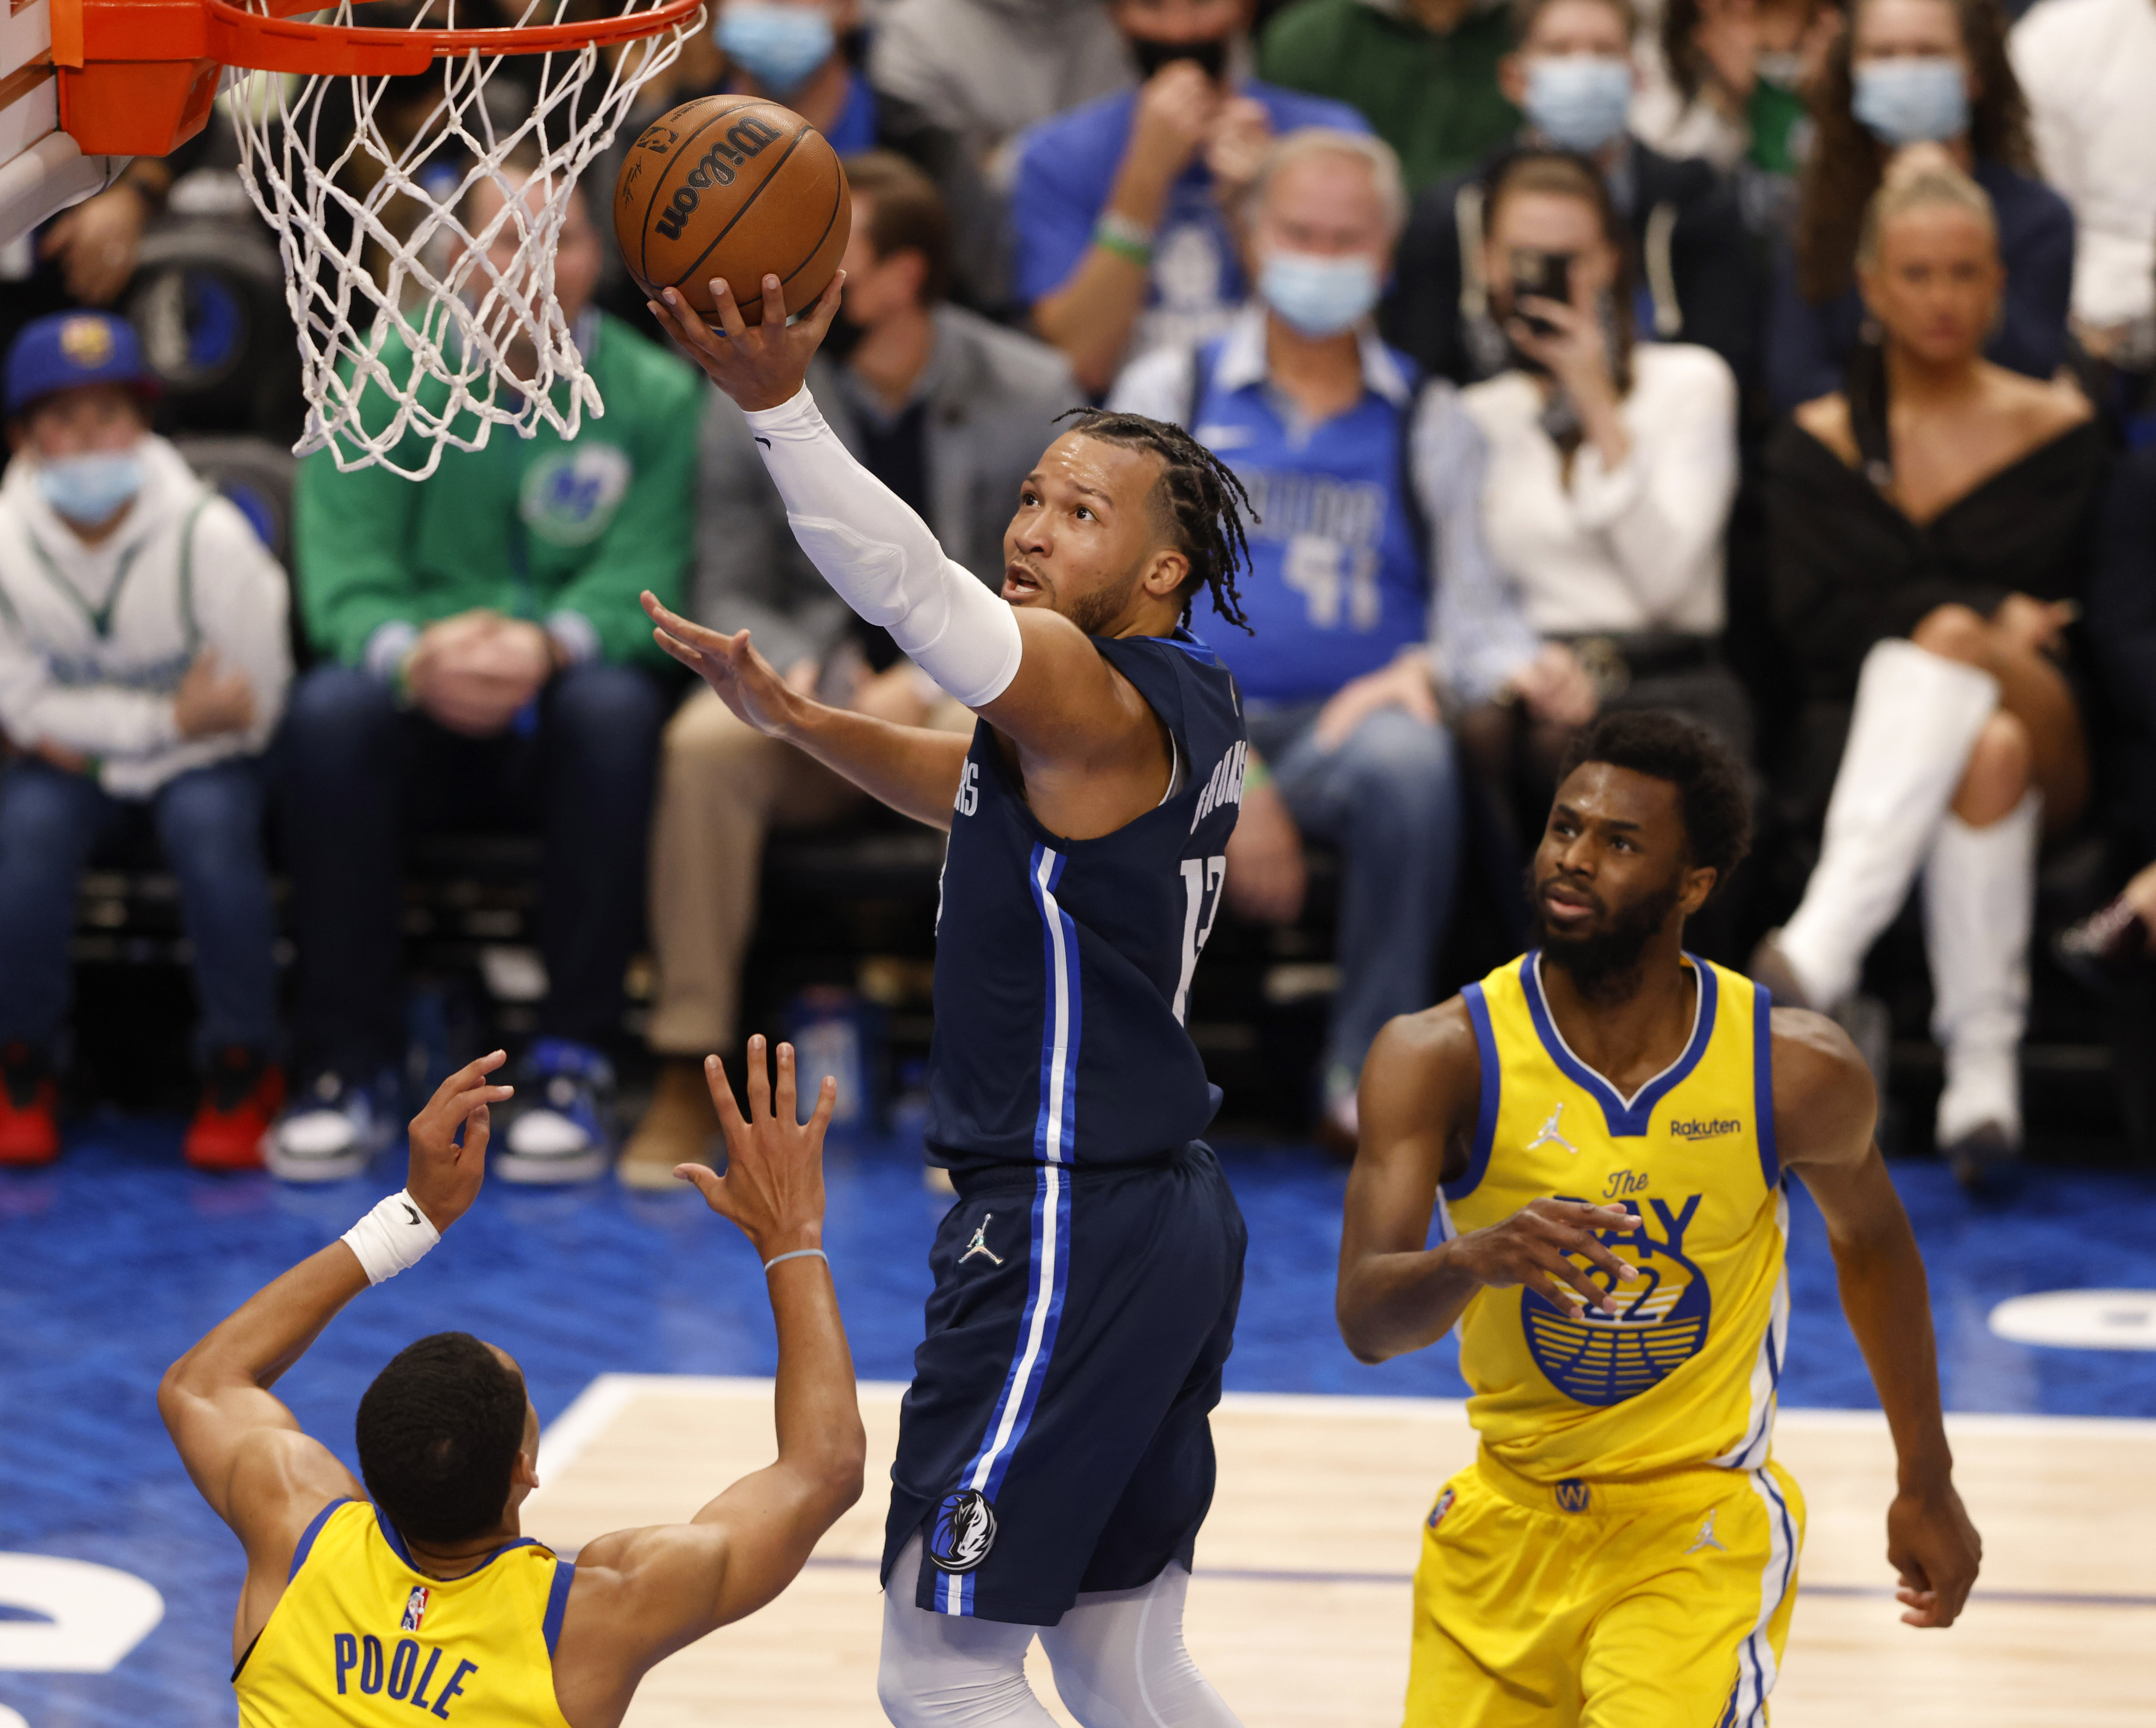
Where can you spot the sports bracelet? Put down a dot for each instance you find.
(1126, 239)
(797, 1254)
(394, 1235)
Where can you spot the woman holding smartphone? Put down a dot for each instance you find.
(1929, 533)
(1610, 467)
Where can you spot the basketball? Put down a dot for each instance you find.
(732, 186)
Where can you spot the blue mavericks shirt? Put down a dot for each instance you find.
(1066, 169)
(1063, 968)
(1337, 584)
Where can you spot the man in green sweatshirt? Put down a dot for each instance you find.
(485, 661)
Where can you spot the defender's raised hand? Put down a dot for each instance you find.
(772, 1190)
(760, 365)
(448, 1141)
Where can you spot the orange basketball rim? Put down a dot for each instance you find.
(137, 77)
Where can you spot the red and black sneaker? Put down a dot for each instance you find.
(30, 1107)
(240, 1099)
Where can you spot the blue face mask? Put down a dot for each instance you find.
(778, 46)
(1918, 100)
(87, 489)
(1319, 297)
(1578, 101)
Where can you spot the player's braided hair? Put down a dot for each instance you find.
(1200, 498)
(438, 1433)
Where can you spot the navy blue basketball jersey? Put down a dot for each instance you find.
(1063, 967)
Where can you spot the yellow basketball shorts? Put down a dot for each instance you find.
(1661, 1605)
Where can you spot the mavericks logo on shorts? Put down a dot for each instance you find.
(965, 1530)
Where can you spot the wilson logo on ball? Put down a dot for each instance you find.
(744, 139)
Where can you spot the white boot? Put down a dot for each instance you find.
(1917, 719)
(1979, 903)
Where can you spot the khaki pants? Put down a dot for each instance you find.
(722, 788)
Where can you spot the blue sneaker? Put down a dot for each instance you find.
(332, 1128)
(560, 1132)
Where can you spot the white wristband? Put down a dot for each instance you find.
(797, 1254)
(392, 1237)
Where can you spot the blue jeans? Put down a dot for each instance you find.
(210, 822)
(359, 775)
(1389, 799)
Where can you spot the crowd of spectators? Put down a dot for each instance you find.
(1786, 363)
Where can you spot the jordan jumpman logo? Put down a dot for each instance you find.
(980, 1244)
(1551, 1135)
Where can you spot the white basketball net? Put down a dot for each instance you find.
(415, 331)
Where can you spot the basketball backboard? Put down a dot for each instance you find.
(42, 169)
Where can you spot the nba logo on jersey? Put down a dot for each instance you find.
(965, 1530)
(415, 1609)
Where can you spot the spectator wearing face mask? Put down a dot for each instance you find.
(1572, 75)
(1313, 413)
(1913, 72)
(1122, 209)
(1610, 469)
(2089, 68)
(1725, 80)
(800, 53)
(790, 50)
(950, 412)
(142, 668)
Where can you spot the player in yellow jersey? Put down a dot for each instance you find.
(1600, 1132)
(415, 1598)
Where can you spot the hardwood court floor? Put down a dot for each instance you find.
(1299, 1610)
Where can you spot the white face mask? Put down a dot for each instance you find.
(1320, 295)
(86, 490)
(1578, 101)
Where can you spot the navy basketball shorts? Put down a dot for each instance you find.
(1055, 1438)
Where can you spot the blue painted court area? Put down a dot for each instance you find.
(114, 1262)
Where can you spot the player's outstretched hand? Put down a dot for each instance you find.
(773, 1187)
(1932, 1543)
(759, 365)
(744, 680)
(448, 1141)
(1532, 1247)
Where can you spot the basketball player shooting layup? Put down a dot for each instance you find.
(1054, 1459)
(1611, 1122)
(427, 1599)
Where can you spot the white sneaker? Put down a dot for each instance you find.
(560, 1136)
(330, 1132)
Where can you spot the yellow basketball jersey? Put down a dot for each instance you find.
(360, 1637)
(1684, 1373)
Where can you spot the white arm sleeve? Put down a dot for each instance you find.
(882, 559)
